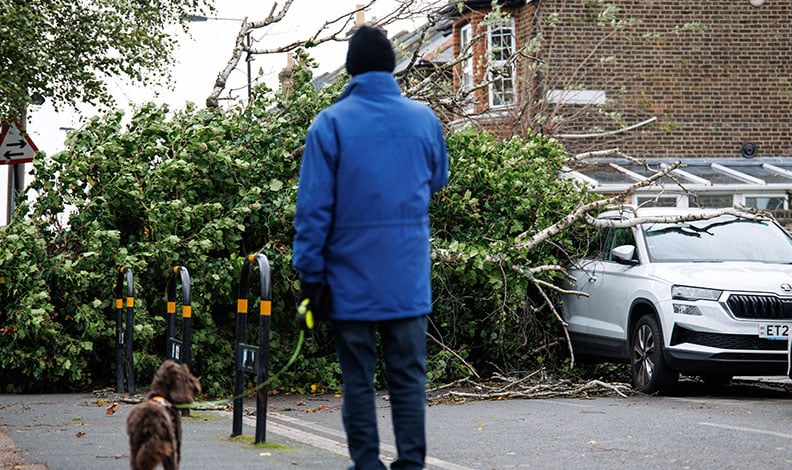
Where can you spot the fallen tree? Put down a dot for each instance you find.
(204, 188)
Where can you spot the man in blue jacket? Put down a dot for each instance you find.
(372, 161)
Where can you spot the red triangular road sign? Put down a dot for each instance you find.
(15, 147)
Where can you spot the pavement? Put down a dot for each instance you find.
(80, 431)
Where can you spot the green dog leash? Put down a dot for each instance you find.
(201, 404)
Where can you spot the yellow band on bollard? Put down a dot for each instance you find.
(186, 311)
(242, 305)
(119, 303)
(171, 307)
(265, 308)
(130, 301)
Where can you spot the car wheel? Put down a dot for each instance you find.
(650, 373)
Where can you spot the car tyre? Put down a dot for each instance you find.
(650, 373)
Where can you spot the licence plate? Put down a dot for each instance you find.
(775, 331)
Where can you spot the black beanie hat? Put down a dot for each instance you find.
(369, 50)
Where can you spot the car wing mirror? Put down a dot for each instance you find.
(624, 254)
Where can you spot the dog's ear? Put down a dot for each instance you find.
(184, 386)
(166, 377)
(174, 381)
(193, 382)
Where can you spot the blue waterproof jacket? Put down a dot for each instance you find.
(371, 163)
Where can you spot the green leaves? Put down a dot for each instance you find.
(195, 188)
(64, 50)
(485, 303)
(205, 189)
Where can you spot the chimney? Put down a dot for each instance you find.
(285, 75)
(360, 15)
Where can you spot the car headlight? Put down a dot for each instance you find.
(694, 293)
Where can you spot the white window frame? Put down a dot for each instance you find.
(502, 89)
(466, 75)
(737, 197)
(579, 97)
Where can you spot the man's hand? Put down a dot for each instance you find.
(305, 304)
(305, 315)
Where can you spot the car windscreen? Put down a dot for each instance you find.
(724, 238)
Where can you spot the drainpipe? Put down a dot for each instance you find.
(536, 31)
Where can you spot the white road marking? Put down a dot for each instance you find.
(337, 445)
(310, 425)
(740, 428)
(331, 445)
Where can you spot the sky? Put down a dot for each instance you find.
(201, 55)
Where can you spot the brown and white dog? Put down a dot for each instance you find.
(154, 426)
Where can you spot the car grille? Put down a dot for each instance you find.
(760, 307)
(723, 341)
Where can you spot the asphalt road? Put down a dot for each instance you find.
(748, 425)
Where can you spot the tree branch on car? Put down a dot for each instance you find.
(584, 209)
(737, 212)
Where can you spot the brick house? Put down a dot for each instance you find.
(715, 74)
(706, 82)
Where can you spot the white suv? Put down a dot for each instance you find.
(709, 298)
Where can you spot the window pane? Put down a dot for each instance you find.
(500, 43)
(621, 236)
(501, 72)
(712, 200)
(651, 201)
(765, 203)
(502, 90)
(724, 238)
(604, 242)
(467, 64)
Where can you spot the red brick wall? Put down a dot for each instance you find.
(501, 123)
(478, 50)
(710, 90)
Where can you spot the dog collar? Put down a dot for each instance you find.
(161, 401)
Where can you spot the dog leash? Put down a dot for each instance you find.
(200, 404)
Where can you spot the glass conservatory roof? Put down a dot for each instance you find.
(613, 175)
